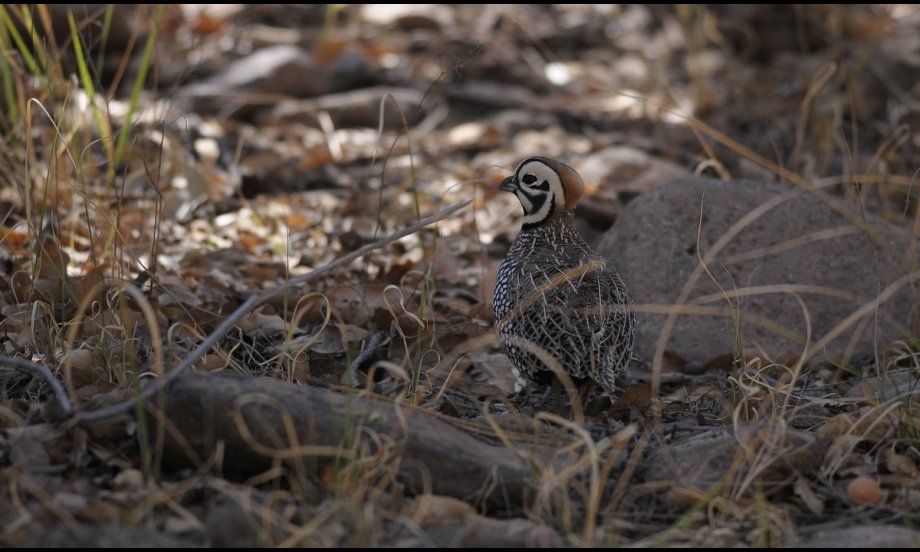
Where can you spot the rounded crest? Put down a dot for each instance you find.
(572, 184)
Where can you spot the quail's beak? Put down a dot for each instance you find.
(508, 185)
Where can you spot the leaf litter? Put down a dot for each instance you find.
(269, 141)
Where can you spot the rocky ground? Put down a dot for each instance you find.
(173, 173)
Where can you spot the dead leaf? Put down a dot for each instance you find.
(900, 464)
(803, 490)
(838, 425)
(637, 395)
(256, 321)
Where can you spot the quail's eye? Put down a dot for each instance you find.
(529, 179)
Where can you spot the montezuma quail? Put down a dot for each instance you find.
(557, 303)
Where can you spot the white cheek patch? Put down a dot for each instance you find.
(543, 173)
(558, 194)
(543, 180)
(541, 214)
(525, 201)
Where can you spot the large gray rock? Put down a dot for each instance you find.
(798, 244)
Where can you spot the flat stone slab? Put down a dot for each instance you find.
(766, 245)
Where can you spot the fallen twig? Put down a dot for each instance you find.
(260, 422)
(252, 302)
(43, 372)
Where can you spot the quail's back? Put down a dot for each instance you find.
(557, 304)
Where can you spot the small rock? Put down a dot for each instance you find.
(798, 247)
(864, 490)
(229, 526)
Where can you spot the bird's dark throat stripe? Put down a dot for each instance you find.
(549, 214)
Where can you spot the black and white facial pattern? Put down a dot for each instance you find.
(539, 188)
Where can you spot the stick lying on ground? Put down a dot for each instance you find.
(259, 420)
(43, 372)
(254, 301)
